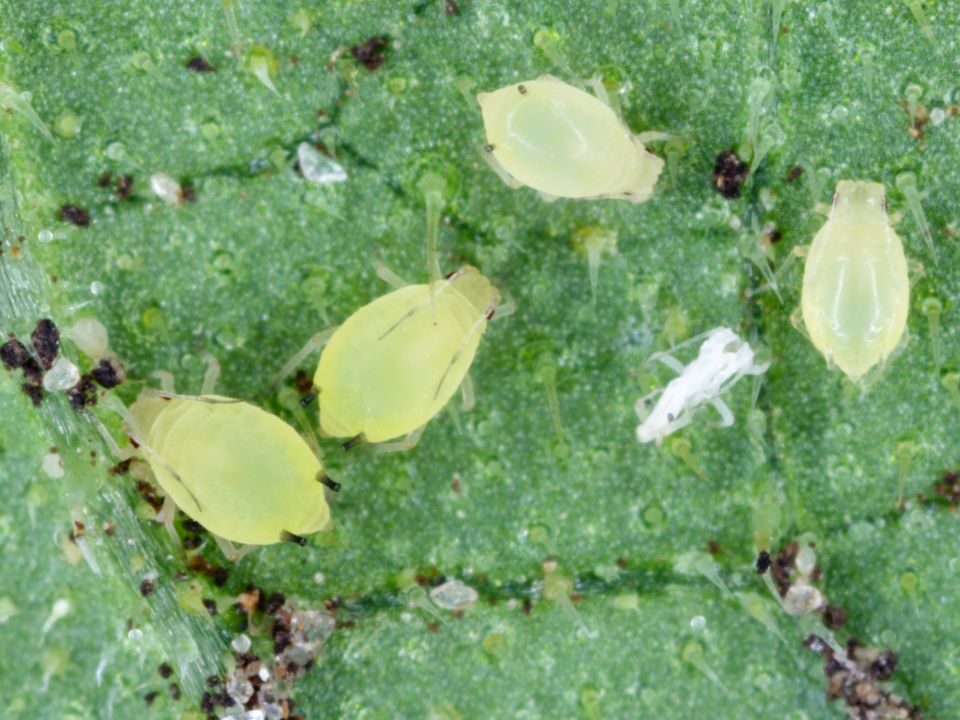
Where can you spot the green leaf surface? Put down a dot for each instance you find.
(262, 259)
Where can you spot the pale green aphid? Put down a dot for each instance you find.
(856, 285)
(565, 142)
(396, 362)
(242, 473)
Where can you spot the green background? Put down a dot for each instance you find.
(262, 260)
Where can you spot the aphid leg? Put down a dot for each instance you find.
(230, 551)
(600, 90)
(211, 375)
(547, 197)
(468, 399)
(166, 516)
(726, 414)
(505, 309)
(796, 319)
(151, 392)
(650, 136)
(312, 345)
(665, 358)
(389, 276)
(407, 443)
(486, 152)
(166, 380)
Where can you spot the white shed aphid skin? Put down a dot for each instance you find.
(856, 283)
(13, 101)
(722, 360)
(241, 472)
(564, 142)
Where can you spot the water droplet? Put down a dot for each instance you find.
(241, 643)
(52, 465)
(68, 125)
(937, 116)
(165, 187)
(698, 623)
(654, 517)
(97, 288)
(45, 236)
(840, 113)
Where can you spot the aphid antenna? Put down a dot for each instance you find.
(153, 392)
(210, 375)
(230, 551)
(166, 380)
(419, 306)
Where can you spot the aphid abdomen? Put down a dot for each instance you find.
(856, 286)
(242, 473)
(556, 138)
(387, 370)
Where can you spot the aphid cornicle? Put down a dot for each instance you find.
(856, 287)
(242, 473)
(565, 142)
(396, 362)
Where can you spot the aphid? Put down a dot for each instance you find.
(242, 473)
(856, 288)
(723, 359)
(565, 142)
(396, 362)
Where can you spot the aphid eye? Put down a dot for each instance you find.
(522, 89)
(670, 417)
(490, 312)
(488, 148)
(450, 274)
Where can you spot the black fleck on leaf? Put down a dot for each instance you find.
(45, 339)
(124, 187)
(34, 392)
(371, 53)
(83, 394)
(199, 64)
(14, 354)
(109, 373)
(729, 174)
(74, 215)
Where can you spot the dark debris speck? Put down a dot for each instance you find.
(45, 339)
(83, 394)
(372, 53)
(124, 187)
(109, 373)
(729, 174)
(74, 215)
(165, 670)
(147, 588)
(199, 64)
(14, 354)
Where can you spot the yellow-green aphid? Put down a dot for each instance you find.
(242, 473)
(396, 362)
(565, 142)
(856, 286)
